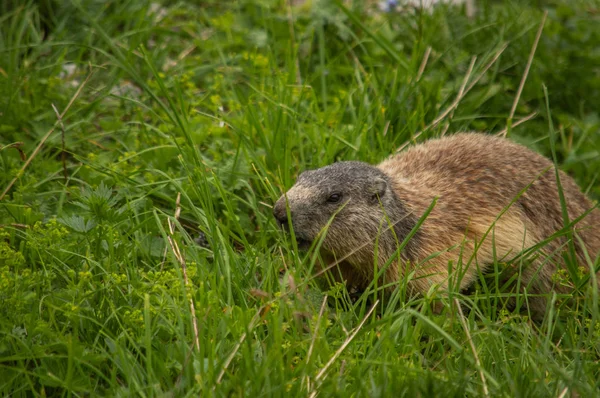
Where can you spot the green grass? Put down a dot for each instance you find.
(225, 103)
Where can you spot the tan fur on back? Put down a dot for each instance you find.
(475, 178)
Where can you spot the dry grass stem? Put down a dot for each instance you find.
(290, 17)
(564, 392)
(47, 135)
(424, 63)
(312, 342)
(461, 91)
(237, 346)
(386, 128)
(63, 153)
(454, 105)
(181, 260)
(314, 337)
(323, 371)
(461, 317)
(529, 62)
(519, 122)
(17, 146)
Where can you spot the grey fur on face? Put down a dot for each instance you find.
(341, 195)
(320, 194)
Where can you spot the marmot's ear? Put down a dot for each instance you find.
(378, 188)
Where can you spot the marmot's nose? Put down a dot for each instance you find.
(282, 220)
(280, 214)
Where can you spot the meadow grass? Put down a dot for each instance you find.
(130, 128)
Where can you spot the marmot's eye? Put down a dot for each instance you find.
(334, 197)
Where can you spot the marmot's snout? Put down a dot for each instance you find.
(280, 213)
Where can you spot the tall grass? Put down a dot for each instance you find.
(225, 103)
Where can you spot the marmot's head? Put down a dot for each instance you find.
(353, 196)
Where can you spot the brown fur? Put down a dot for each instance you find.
(479, 217)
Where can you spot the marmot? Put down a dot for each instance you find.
(495, 200)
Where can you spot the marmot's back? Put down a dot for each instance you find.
(495, 200)
(481, 174)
